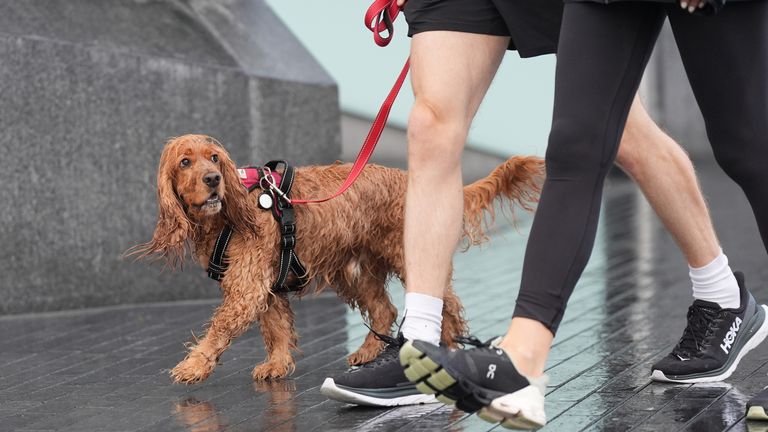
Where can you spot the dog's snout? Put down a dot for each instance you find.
(212, 179)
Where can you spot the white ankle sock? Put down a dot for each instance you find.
(423, 318)
(715, 283)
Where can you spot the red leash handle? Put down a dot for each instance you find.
(378, 18)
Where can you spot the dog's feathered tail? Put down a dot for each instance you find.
(515, 183)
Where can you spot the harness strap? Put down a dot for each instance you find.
(216, 265)
(289, 262)
(283, 212)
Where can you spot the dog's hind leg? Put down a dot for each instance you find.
(279, 338)
(375, 305)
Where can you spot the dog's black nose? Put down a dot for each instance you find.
(212, 179)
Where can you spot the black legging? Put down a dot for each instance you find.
(601, 57)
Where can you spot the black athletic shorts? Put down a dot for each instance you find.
(533, 25)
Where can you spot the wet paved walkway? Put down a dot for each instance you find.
(107, 369)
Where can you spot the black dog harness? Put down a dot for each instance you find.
(275, 195)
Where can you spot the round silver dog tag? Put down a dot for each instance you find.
(265, 201)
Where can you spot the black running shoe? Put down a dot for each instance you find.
(379, 383)
(757, 407)
(479, 379)
(714, 341)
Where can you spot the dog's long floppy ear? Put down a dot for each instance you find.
(173, 226)
(240, 212)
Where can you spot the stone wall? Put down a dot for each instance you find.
(89, 92)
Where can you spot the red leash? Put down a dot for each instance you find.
(378, 18)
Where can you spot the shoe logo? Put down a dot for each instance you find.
(731, 336)
(491, 371)
(682, 359)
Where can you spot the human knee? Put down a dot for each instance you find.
(436, 135)
(575, 149)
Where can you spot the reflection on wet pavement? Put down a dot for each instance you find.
(107, 369)
(199, 416)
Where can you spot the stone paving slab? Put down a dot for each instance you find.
(107, 369)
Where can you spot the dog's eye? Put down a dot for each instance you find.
(215, 158)
(185, 162)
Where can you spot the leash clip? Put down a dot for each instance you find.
(272, 185)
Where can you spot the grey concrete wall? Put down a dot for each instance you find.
(89, 92)
(669, 98)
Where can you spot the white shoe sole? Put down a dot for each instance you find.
(523, 409)
(332, 391)
(756, 340)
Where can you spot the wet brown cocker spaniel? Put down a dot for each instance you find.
(351, 244)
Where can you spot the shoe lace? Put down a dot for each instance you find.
(396, 341)
(472, 340)
(701, 324)
(391, 347)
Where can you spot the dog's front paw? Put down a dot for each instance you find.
(193, 369)
(272, 370)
